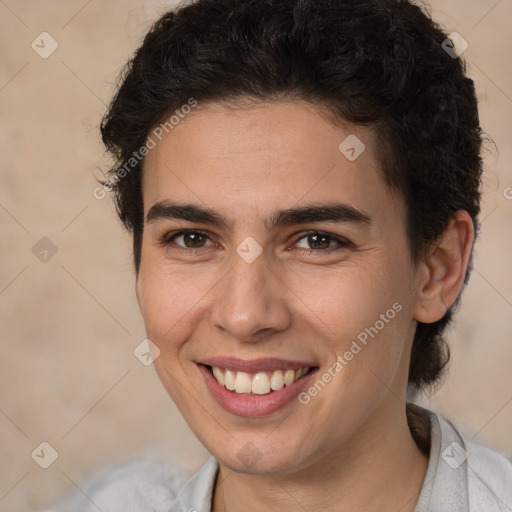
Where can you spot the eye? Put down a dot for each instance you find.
(318, 241)
(187, 239)
(314, 241)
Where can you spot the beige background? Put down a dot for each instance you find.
(68, 327)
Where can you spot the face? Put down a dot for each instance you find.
(281, 265)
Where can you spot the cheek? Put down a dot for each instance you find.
(170, 300)
(363, 313)
(348, 299)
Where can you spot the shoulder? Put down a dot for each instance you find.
(488, 473)
(489, 478)
(136, 485)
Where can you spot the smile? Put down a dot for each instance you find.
(257, 387)
(260, 383)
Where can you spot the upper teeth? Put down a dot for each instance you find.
(260, 383)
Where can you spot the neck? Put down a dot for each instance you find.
(381, 470)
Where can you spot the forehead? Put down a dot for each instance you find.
(255, 158)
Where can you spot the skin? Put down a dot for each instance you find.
(349, 448)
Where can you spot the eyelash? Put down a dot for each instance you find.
(342, 243)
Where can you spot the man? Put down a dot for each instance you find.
(302, 184)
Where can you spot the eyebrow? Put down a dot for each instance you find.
(332, 212)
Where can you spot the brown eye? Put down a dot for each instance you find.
(318, 241)
(194, 239)
(188, 239)
(321, 241)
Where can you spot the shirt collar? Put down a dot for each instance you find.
(445, 487)
(196, 493)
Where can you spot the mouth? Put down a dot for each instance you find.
(255, 388)
(260, 383)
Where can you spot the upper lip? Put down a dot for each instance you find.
(255, 365)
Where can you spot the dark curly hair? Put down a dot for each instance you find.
(379, 63)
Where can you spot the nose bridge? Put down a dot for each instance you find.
(249, 300)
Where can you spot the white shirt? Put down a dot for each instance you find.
(462, 476)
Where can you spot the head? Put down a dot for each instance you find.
(233, 120)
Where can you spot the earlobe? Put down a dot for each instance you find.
(444, 269)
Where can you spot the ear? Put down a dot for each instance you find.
(443, 271)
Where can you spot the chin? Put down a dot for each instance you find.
(257, 457)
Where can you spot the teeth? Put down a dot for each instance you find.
(289, 377)
(217, 372)
(261, 383)
(242, 383)
(277, 380)
(229, 380)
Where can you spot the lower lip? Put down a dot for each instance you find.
(253, 405)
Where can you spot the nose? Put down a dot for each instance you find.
(250, 303)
